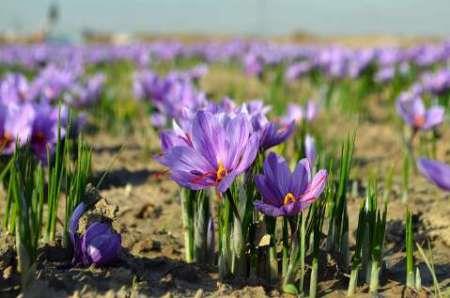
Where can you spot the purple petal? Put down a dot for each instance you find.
(268, 209)
(316, 188)
(300, 178)
(433, 117)
(436, 172)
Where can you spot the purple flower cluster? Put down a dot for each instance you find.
(173, 96)
(29, 111)
(255, 56)
(209, 147)
(23, 121)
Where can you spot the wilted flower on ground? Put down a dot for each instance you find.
(99, 245)
(285, 193)
(436, 172)
(222, 148)
(415, 114)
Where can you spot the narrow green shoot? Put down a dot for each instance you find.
(409, 242)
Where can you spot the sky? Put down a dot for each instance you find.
(234, 17)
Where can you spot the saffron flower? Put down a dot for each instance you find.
(285, 193)
(15, 125)
(273, 134)
(415, 114)
(99, 245)
(44, 133)
(436, 172)
(298, 113)
(222, 148)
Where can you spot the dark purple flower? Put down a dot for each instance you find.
(436, 172)
(285, 193)
(44, 133)
(417, 116)
(99, 245)
(222, 148)
(273, 134)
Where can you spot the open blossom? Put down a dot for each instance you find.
(436, 172)
(222, 148)
(285, 193)
(415, 114)
(44, 133)
(15, 125)
(14, 87)
(99, 245)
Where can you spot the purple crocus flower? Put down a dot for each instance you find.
(294, 113)
(296, 70)
(299, 113)
(178, 136)
(285, 193)
(15, 125)
(253, 65)
(99, 245)
(414, 113)
(222, 148)
(311, 110)
(44, 134)
(14, 87)
(310, 149)
(274, 134)
(436, 172)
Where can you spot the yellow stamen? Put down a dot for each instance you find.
(289, 198)
(221, 172)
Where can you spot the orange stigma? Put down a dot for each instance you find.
(419, 120)
(221, 172)
(289, 198)
(5, 140)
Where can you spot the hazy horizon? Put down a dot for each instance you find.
(240, 17)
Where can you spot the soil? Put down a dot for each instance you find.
(144, 204)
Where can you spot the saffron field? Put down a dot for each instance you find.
(233, 168)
